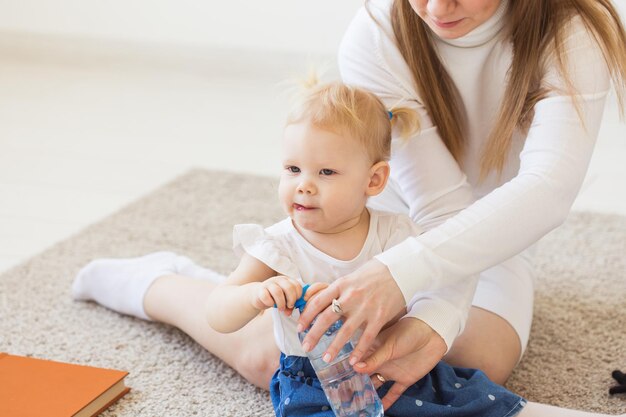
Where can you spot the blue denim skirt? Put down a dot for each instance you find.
(445, 391)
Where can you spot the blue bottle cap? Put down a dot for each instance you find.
(300, 303)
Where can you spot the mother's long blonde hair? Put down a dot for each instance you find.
(537, 29)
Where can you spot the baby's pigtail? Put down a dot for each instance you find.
(404, 119)
(311, 81)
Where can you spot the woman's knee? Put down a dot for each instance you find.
(488, 343)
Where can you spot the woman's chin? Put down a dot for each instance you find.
(455, 32)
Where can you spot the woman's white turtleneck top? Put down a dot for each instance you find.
(471, 225)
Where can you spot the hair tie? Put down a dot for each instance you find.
(390, 114)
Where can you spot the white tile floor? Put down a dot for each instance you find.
(84, 133)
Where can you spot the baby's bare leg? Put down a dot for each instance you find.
(543, 410)
(179, 301)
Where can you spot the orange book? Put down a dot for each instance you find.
(31, 387)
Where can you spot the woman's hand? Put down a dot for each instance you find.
(369, 299)
(404, 353)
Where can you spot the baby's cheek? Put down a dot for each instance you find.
(348, 201)
(284, 197)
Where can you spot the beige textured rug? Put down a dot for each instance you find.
(578, 336)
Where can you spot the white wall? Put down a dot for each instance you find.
(286, 25)
(309, 27)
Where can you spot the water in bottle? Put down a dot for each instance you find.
(349, 393)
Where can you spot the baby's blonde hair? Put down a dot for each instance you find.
(353, 111)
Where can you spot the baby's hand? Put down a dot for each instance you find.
(280, 291)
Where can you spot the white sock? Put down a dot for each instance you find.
(188, 268)
(121, 284)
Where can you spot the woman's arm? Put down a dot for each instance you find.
(465, 237)
(553, 163)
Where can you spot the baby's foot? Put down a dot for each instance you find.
(120, 284)
(188, 268)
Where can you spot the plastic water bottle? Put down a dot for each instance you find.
(349, 393)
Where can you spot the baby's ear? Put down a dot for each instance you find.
(379, 174)
(314, 289)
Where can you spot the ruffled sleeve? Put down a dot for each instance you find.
(267, 248)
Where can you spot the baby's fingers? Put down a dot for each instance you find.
(264, 299)
(292, 290)
(278, 295)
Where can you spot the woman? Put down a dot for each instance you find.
(511, 95)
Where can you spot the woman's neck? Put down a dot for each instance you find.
(344, 245)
